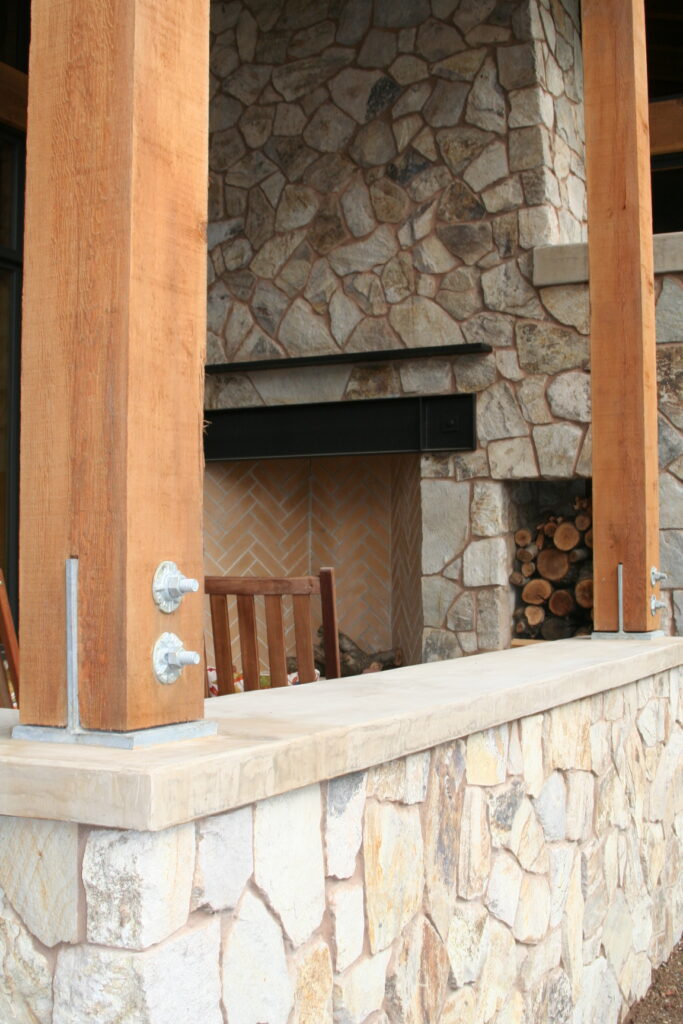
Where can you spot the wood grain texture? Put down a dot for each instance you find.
(222, 644)
(246, 616)
(623, 372)
(303, 638)
(13, 97)
(113, 350)
(328, 598)
(277, 647)
(666, 127)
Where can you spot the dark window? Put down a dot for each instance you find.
(664, 29)
(14, 33)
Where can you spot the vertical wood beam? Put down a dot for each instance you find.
(623, 364)
(113, 350)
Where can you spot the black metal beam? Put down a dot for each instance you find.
(370, 427)
(382, 356)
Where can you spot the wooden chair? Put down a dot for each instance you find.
(273, 589)
(9, 688)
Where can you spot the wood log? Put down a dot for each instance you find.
(552, 564)
(528, 569)
(566, 536)
(536, 591)
(579, 555)
(557, 628)
(562, 602)
(588, 539)
(534, 614)
(583, 521)
(354, 660)
(540, 540)
(527, 554)
(517, 580)
(522, 538)
(550, 528)
(583, 592)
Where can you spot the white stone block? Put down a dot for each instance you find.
(359, 991)
(468, 942)
(39, 873)
(25, 973)
(532, 753)
(225, 859)
(288, 859)
(138, 885)
(345, 900)
(499, 973)
(527, 840)
(344, 822)
(533, 909)
(256, 982)
(485, 563)
(177, 980)
(580, 804)
(502, 891)
(551, 808)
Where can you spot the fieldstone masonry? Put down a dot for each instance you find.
(528, 874)
(381, 171)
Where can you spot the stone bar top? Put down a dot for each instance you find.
(276, 741)
(568, 264)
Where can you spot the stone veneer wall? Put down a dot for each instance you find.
(380, 173)
(528, 873)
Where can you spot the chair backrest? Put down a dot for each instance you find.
(246, 588)
(9, 688)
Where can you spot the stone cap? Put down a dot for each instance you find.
(274, 742)
(568, 264)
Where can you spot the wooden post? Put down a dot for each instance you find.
(623, 367)
(113, 351)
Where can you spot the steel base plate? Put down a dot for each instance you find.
(123, 740)
(653, 634)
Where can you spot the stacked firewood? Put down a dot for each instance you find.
(554, 574)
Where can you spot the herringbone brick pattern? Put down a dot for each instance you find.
(291, 516)
(351, 530)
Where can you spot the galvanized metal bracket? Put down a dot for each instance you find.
(170, 585)
(621, 634)
(74, 733)
(169, 658)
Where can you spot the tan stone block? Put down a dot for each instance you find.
(394, 869)
(498, 975)
(474, 860)
(532, 753)
(256, 980)
(313, 985)
(418, 977)
(459, 1008)
(567, 740)
(486, 759)
(533, 909)
(360, 990)
(527, 840)
(39, 874)
(441, 830)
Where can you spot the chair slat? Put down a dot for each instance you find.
(222, 644)
(262, 585)
(303, 639)
(328, 600)
(8, 638)
(246, 616)
(277, 648)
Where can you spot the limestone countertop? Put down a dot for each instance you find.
(274, 741)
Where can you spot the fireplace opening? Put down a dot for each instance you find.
(360, 514)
